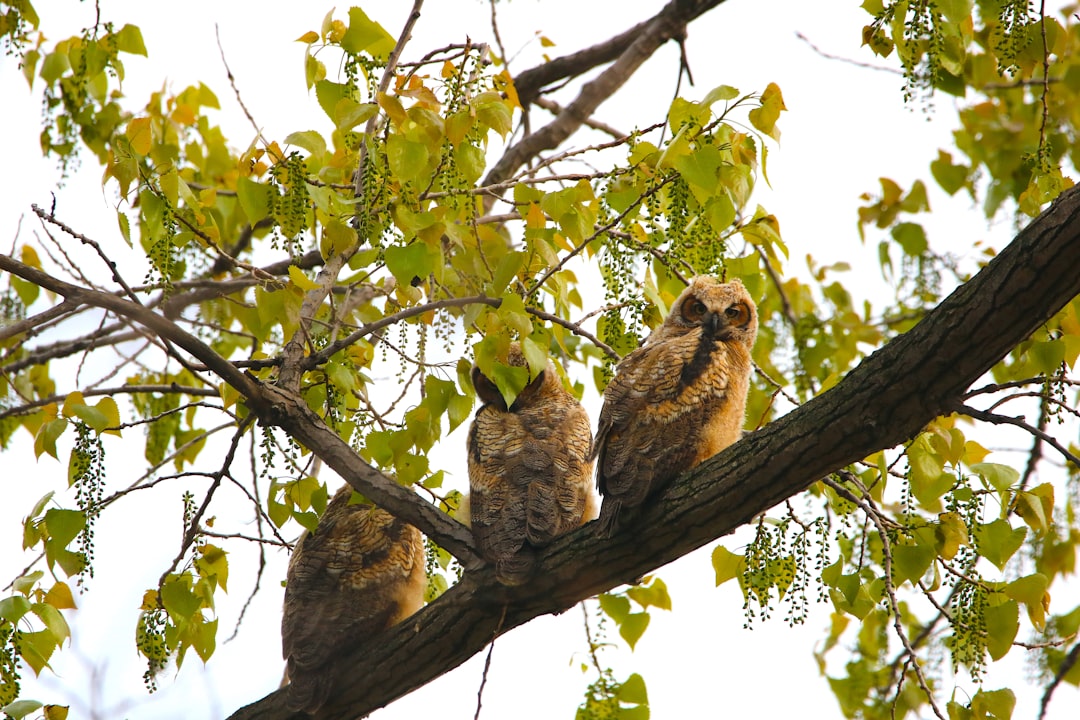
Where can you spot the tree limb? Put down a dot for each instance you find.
(628, 51)
(887, 399)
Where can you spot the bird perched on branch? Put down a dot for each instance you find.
(360, 572)
(678, 399)
(530, 472)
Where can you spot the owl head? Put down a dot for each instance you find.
(723, 312)
(489, 393)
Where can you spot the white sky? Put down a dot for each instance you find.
(845, 127)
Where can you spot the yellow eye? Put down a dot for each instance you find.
(694, 310)
(737, 314)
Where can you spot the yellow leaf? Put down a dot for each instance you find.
(309, 37)
(107, 407)
(952, 533)
(974, 453)
(149, 601)
(139, 134)
(72, 401)
(60, 597)
(30, 257)
(301, 280)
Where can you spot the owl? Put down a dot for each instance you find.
(361, 571)
(678, 399)
(530, 469)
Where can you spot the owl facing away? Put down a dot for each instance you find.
(530, 469)
(360, 572)
(678, 399)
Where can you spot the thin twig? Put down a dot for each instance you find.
(1018, 422)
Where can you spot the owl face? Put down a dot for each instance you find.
(723, 312)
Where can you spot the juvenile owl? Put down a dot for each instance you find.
(530, 469)
(361, 571)
(678, 399)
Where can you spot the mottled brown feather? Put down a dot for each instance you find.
(360, 572)
(530, 470)
(678, 399)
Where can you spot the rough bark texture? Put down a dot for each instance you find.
(881, 403)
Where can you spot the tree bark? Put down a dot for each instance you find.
(886, 400)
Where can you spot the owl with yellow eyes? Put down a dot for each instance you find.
(678, 399)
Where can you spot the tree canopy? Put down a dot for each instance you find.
(270, 314)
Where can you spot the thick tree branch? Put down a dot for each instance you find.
(885, 400)
(628, 51)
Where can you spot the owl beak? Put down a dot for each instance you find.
(713, 323)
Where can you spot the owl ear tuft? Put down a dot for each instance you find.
(486, 390)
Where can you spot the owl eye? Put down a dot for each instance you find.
(737, 314)
(694, 310)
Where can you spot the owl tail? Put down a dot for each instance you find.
(308, 692)
(517, 568)
(608, 521)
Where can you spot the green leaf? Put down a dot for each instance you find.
(632, 691)
(721, 92)
(633, 627)
(458, 409)
(329, 94)
(54, 621)
(1031, 590)
(408, 159)
(1002, 624)
(213, 563)
(254, 199)
(950, 177)
(727, 564)
(911, 237)
(655, 594)
(178, 599)
(910, 562)
(998, 541)
(13, 608)
(20, 708)
(615, 607)
(130, 40)
(366, 35)
(64, 525)
(205, 639)
(1000, 477)
(309, 140)
(415, 260)
(997, 704)
(505, 271)
(1048, 356)
(47, 435)
(37, 648)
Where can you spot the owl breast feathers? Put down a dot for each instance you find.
(360, 572)
(678, 399)
(530, 472)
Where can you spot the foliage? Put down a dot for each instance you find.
(328, 261)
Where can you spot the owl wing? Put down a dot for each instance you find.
(360, 572)
(560, 493)
(645, 379)
(497, 502)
